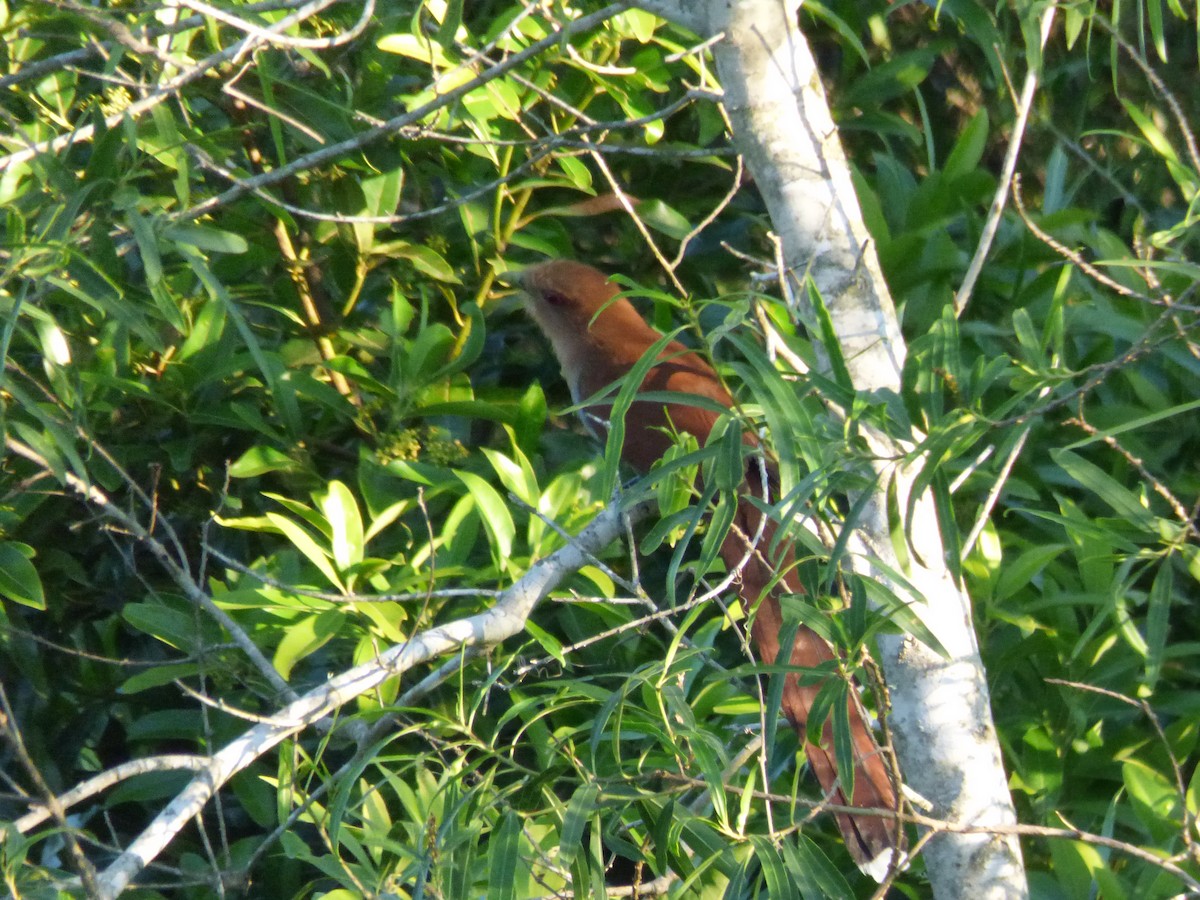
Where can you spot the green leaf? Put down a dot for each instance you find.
(549, 642)
(204, 237)
(662, 218)
(419, 48)
(494, 512)
(1158, 622)
(779, 883)
(829, 338)
(728, 467)
(814, 873)
(1134, 424)
(259, 460)
(304, 637)
(891, 79)
(1027, 336)
(579, 810)
(1123, 501)
(1083, 870)
(171, 626)
(282, 394)
(19, 580)
(968, 149)
(843, 740)
(1155, 798)
(1018, 574)
(159, 676)
(504, 857)
(424, 259)
(780, 406)
(719, 523)
(304, 542)
(341, 511)
(773, 703)
(629, 386)
(640, 24)
(517, 476)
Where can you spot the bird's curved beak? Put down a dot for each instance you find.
(514, 278)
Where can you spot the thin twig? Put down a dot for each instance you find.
(396, 124)
(178, 573)
(54, 807)
(992, 223)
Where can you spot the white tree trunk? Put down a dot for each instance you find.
(941, 714)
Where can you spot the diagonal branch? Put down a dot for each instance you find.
(505, 619)
(174, 568)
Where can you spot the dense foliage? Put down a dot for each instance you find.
(260, 378)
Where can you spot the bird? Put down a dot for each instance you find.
(598, 336)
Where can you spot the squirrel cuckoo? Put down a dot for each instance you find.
(597, 340)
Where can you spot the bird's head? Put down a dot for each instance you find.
(595, 333)
(564, 296)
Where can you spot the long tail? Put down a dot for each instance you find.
(870, 839)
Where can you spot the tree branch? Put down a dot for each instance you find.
(492, 626)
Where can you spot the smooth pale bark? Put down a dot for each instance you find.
(941, 714)
(502, 621)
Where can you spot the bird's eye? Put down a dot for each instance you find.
(554, 298)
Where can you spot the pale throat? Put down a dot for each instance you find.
(576, 355)
(569, 347)
(572, 358)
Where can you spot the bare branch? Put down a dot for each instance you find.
(164, 91)
(492, 626)
(178, 573)
(99, 783)
(397, 123)
(992, 223)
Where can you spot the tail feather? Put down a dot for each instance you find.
(870, 839)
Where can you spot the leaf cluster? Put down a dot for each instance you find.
(248, 296)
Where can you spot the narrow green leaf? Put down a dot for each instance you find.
(780, 405)
(829, 338)
(549, 642)
(158, 676)
(775, 686)
(1134, 424)
(719, 524)
(1123, 501)
(1150, 131)
(579, 810)
(1158, 621)
(629, 387)
(968, 149)
(951, 538)
(494, 513)
(205, 237)
(1018, 573)
(814, 873)
(1027, 336)
(503, 858)
(843, 741)
(728, 467)
(270, 365)
(304, 542)
(779, 883)
(304, 637)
